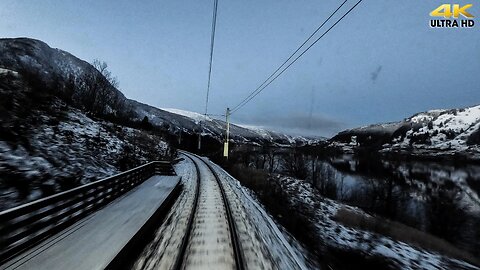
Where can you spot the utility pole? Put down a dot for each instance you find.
(200, 132)
(200, 138)
(225, 146)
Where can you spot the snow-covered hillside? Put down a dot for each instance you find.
(47, 146)
(55, 67)
(197, 117)
(51, 137)
(334, 229)
(435, 132)
(191, 122)
(442, 129)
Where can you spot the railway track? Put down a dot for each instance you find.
(211, 240)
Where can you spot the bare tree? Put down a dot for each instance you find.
(102, 67)
(272, 164)
(326, 181)
(97, 89)
(296, 165)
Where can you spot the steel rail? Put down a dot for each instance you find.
(183, 247)
(238, 254)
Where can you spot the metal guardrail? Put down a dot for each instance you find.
(186, 237)
(23, 226)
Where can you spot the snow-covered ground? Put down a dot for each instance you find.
(209, 246)
(284, 250)
(47, 141)
(193, 115)
(4, 71)
(265, 246)
(332, 233)
(70, 152)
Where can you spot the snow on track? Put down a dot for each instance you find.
(262, 243)
(164, 248)
(210, 246)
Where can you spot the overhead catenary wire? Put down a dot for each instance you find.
(256, 92)
(270, 79)
(290, 57)
(212, 43)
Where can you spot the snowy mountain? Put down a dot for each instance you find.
(190, 122)
(60, 69)
(435, 132)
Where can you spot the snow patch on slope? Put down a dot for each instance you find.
(193, 115)
(75, 151)
(332, 233)
(441, 125)
(258, 129)
(431, 133)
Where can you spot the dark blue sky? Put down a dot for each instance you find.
(382, 63)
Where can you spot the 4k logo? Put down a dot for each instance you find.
(450, 13)
(445, 11)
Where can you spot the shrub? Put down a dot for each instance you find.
(474, 138)
(402, 233)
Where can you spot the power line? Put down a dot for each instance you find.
(290, 57)
(263, 85)
(212, 42)
(260, 89)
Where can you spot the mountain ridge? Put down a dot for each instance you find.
(54, 65)
(434, 132)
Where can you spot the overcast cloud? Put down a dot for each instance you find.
(299, 124)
